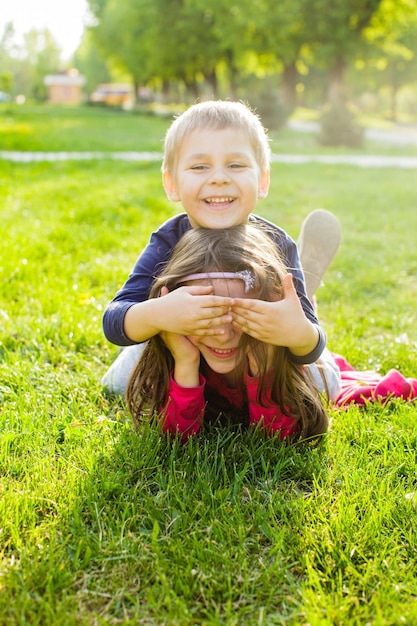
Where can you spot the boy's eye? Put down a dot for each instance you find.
(202, 166)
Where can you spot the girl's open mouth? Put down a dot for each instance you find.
(223, 353)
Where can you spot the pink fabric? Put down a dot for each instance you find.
(183, 412)
(360, 387)
(271, 417)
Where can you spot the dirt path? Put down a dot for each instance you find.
(358, 160)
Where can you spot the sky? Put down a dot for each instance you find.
(64, 18)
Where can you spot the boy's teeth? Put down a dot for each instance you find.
(218, 200)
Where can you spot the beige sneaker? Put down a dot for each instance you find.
(318, 243)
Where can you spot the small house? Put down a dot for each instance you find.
(112, 94)
(65, 87)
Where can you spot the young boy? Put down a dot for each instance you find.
(217, 165)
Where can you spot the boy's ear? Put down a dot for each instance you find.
(263, 186)
(169, 186)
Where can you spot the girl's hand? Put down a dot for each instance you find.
(186, 356)
(181, 348)
(186, 359)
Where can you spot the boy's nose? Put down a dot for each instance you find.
(219, 175)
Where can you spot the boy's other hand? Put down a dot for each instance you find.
(281, 323)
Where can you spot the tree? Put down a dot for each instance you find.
(216, 45)
(42, 56)
(177, 40)
(90, 62)
(6, 52)
(126, 33)
(282, 35)
(392, 52)
(336, 30)
(28, 63)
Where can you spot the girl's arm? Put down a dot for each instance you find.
(183, 412)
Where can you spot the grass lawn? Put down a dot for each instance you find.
(102, 525)
(51, 128)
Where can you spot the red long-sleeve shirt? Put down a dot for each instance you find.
(184, 408)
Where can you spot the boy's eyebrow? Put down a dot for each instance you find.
(205, 155)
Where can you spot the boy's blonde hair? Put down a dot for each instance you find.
(217, 115)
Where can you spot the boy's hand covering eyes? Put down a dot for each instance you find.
(281, 323)
(194, 310)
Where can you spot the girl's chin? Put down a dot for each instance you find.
(221, 366)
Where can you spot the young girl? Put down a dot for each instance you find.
(230, 378)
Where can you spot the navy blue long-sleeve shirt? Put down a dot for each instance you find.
(152, 260)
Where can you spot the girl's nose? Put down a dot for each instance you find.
(228, 332)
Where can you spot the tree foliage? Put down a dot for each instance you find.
(201, 42)
(392, 51)
(91, 63)
(28, 63)
(226, 48)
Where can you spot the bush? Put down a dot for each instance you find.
(271, 109)
(338, 128)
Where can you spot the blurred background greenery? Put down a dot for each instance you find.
(337, 59)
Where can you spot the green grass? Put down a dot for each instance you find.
(78, 129)
(102, 525)
(51, 128)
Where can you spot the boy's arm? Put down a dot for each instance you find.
(289, 252)
(136, 288)
(184, 311)
(314, 337)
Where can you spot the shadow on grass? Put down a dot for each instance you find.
(162, 532)
(197, 530)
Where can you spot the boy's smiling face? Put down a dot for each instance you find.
(217, 178)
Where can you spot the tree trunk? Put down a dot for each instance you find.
(193, 89)
(393, 112)
(211, 78)
(233, 83)
(233, 74)
(395, 85)
(165, 91)
(288, 86)
(337, 89)
(135, 91)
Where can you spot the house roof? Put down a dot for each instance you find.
(63, 80)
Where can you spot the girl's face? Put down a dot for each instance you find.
(221, 352)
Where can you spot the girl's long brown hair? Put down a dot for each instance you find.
(243, 247)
